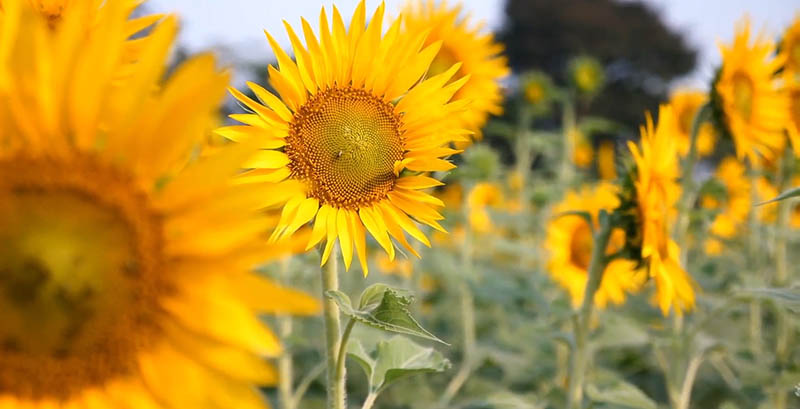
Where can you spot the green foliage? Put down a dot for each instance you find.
(383, 308)
(395, 359)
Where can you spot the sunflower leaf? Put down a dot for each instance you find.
(793, 192)
(384, 308)
(395, 359)
(789, 298)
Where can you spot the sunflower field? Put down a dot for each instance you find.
(401, 210)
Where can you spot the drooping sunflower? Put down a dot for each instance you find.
(686, 103)
(569, 242)
(125, 278)
(462, 41)
(748, 102)
(353, 133)
(657, 192)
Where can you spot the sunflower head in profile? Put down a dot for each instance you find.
(747, 102)
(656, 192)
(462, 41)
(686, 103)
(126, 266)
(353, 133)
(569, 243)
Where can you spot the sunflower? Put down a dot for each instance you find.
(790, 47)
(584, 151)
(586, 74)
(657, 191)
(126, 267)
(606, 162)
(793, 125)
(685, 103)
(353, 132)
(569, 243)
(463, 42)
(480, 197)
(748, 101)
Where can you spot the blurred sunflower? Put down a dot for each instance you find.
(464, 42)
(126, 278)
(790, 46)
(569, 243)
(793, 125)
(606, 161)
(586, 74)
(685, 104)
(584, 151)
(735, 207)
(482, 196)
(748, 102)
(351, 115)
(657, 191)
(400, 267)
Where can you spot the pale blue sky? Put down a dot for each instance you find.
(237, 25)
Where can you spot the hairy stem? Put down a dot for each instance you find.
(467, 320)
(336, 384)
(581, 355)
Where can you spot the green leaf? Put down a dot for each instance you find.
(793, 192)
(397, 358)
(787, 297)
(384, 308)
(355, 350)
(342, 300)
(620, 393)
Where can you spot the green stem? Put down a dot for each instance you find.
(582, 353)
(330, 281)
(524, 153)
(467, 319)
(370, 400)
(783, 324)
(688, 188)
(568, 122)
(285, 365)
(342, 357)
(688, 381)
(753, 246)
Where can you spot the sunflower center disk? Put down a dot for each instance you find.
(345, 142)
(76, 295)
(580, 248)
(743, 94)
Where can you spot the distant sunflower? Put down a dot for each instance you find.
(657, 191)
(686, 103)
(569, 243)
(126, 267)
(353, 133)
(790, 47)
(462, 41)
(482, 196)
(734, 208)
(748, 101)
(606, 161)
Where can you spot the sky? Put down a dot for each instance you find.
(235, 27)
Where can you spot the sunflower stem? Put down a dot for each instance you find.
(524, 154)
(581, 354)
(568, 122)
(285, 364)
(342, 355)
(753, 245)
(467, 318)
(783, 323)
(688, 187)
(336, 381)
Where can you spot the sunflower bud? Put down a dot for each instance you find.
(587, 75)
